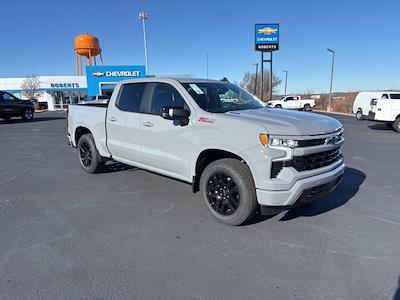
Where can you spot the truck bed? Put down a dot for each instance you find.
(91, 116)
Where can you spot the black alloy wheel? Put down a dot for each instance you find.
(85, 154)
(223, 194)
(27, 114)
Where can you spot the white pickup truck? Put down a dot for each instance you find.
(240, 154)
(293, 102)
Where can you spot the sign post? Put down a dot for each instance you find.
(266, 40)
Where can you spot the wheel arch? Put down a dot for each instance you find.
(79, 132)
(206, 157)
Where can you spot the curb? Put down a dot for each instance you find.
(333, 112)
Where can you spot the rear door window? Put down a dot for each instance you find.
(165, 95)
(131, 97)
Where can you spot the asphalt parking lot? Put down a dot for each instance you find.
(131, 234)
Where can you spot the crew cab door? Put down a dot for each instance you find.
(166, 144)
(123, 122)
(289, 102)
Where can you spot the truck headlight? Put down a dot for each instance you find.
(283, 143)
(267, 141)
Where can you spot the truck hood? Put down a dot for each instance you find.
(285, 122)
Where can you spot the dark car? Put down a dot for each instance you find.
(11, 106)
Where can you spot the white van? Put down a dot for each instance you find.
(387, 109)
(364, 100)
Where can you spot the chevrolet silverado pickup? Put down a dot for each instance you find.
(243, 156)
(293, 102)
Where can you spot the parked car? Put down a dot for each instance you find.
(293, 102)
(95, 99)
(11, 106)
(240, 154)
(365, 100)
(387, 109)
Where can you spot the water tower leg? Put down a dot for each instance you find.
(90, 58)
(101, 59)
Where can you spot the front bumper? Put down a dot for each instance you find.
(308, 188)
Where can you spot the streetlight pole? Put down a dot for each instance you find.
(286, 75)
(144, 16)
(330, 88)
(255, 85)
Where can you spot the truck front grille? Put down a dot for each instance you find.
(308, 162)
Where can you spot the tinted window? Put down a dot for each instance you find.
(394, 96)
(165, 95)
(131, 96)
(8, 97)
(385, 96)
(289, 98)
(221, 97)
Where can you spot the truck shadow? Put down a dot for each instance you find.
(380, 126)
(397, 294)
(112, 167)
(346, 190)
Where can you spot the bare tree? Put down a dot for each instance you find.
(31, 87)
(249, 83)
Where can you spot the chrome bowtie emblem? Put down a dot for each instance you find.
(330, 140)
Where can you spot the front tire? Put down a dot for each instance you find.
(396, 125)
(229, 191)
(27, 114)
(359, 115)
(89, 157)
(278, 106)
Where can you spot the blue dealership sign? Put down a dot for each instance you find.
(104, 77)
(267, 37)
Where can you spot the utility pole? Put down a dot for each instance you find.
(330, 88)
(255, 85)
(286, 75)
(207, 66)
(144, 16)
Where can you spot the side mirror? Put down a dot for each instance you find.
(176, 113)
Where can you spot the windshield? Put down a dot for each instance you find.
(221, 97)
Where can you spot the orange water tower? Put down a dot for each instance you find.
(88, 46)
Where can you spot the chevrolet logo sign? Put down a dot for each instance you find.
(99, 74)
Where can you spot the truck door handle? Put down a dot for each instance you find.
(148, 124)
(112, 119)
(379, 109)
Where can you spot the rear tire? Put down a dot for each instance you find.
(89, 157)
(396, 125)
(359, 115)
(229, 191)
(307, 107)
(27, 114)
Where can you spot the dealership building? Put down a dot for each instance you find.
(59, 91)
